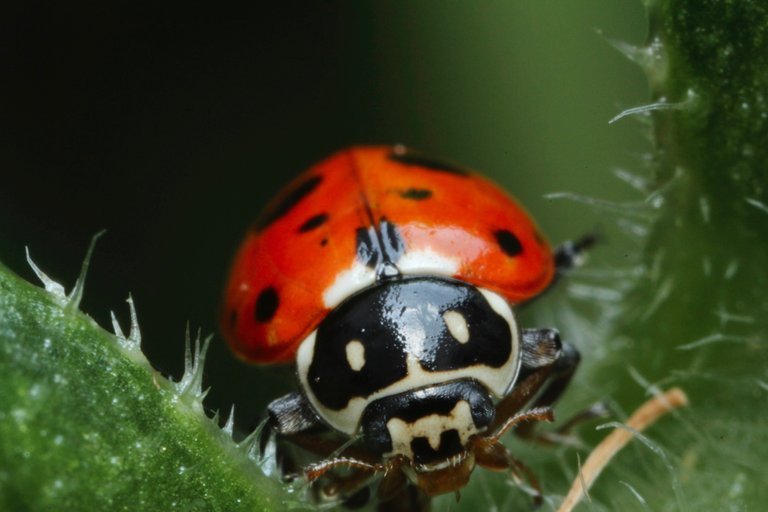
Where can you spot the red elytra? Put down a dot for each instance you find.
(301, 257)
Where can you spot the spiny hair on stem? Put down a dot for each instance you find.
(71, 301)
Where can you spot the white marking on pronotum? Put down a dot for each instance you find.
(457, 326)
(431, 427)
(355, 355)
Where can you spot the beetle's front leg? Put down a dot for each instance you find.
(547, 364)
(291, 414)
(542, 348)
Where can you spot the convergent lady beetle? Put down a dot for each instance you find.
(389, 280)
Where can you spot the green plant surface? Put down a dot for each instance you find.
(710, 244)
(696, 317)
(86, 424)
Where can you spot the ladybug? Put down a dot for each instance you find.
(390, 280)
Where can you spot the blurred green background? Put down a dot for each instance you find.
(171, 128)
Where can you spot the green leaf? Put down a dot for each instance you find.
(87, 424)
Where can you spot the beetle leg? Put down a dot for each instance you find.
(560, 376)
(494, 456)
(408, 498)
(344, 487)
(318, 469)
(562, 372)
(287, 415)
(392, 485)
(545, 361)
(520, 395)
(339, 454)
(517, 468)
(330, 447)
(291, 414)
(397, 494)
(547, 369)
(293, 420)
(541, 347)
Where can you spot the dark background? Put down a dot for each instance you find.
(171, 127)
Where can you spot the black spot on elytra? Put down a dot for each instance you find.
(323, 242)
(232, 319)
(416, 194)
(266, 305)
(290, 200)
(313, 222)
(407, 156)
(508, 242)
